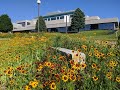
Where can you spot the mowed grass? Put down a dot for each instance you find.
(29, 63)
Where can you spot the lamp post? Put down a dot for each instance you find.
(38, 2)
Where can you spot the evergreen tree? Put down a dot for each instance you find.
(42, 25)
(119, 25)
(78, 20)
(5, 23)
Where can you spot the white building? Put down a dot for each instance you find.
(56, 22)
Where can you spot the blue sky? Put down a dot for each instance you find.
(27, 9)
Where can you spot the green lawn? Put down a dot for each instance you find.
(101, 34)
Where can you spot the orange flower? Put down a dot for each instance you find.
(79, 50)
(73, 77)
(72, 62)
(83, 66)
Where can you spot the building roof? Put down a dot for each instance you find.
(24, 29)
(106, 20)
(58, 14)
(92, 17)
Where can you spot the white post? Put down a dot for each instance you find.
(66, 24)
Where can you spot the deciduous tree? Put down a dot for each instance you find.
(5, 23)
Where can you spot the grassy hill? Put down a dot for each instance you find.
(100, 34)
(29, 63)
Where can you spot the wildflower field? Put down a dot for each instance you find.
(27, 62)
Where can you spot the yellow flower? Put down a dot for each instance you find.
(94, 65)
(113, 63)
(12, 82)
(109, 75)
(65, 78)
(54, 57)
(95, 50)
(53, 86)
(83, 66)
(90, 54)
(98, 56)
(48, 64)
(73, 77)
(40, 68)
(77, 66)
(33, 83)
(95, 78)
(27, 87)
(118, 79)
(62, 58)
(79, 50)
(84, 47)
(98, 68)
(64, 67)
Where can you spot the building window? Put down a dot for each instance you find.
(22, 23)
(61, 17)
(28, 23)
(57, 18)
(71, 16)
(48, 19)
(53, 18)
(15, 28)
(45, 19)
